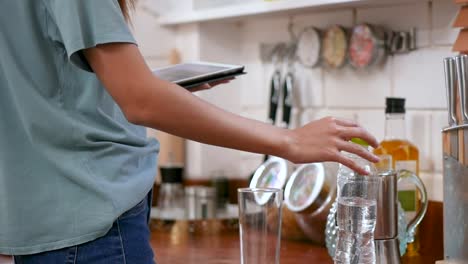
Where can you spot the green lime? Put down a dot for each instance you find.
(359, 141)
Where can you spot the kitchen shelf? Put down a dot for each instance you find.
(261, 8)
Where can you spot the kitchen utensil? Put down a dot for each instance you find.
(309, 46)
(450, 79)
(221, 185)
(200, 202)
(274, 172)
(171, 202)
(455, 162)
(335, 45)
(402, 41)
(367, 46)
(260, 225)
(390, 226)
(461, 67)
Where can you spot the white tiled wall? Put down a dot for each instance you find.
(347, 93)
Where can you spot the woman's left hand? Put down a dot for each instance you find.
(208, 86)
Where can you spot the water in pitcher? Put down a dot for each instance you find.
(357, 218)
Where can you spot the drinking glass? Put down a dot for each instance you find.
(260, 225)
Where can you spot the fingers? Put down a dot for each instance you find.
(345, 123)
(351, 164)
(359, 132)
(358, 150)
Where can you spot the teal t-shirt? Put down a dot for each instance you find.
(70, 163)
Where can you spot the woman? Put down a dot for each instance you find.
(76, 168)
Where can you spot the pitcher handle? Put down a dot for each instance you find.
(405, 174)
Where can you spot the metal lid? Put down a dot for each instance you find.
(304, 188)
(273, 173)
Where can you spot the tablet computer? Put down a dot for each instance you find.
(193, 74)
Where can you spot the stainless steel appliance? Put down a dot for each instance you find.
(456, 161)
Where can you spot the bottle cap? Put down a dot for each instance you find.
(171, 174)
(359, 141)
(395, 105)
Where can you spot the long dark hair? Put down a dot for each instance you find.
(127, 6)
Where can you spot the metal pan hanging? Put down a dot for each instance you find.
(309, 46)
(335, 46)
(367, 46)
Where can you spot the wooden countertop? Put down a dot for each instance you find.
(224, 249)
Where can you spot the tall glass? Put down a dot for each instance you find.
(260, 225)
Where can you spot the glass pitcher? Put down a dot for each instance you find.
(405, 231)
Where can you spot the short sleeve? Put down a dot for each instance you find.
(82, 24)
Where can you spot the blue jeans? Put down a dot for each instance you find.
(127, 242)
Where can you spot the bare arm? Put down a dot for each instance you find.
(152, 102)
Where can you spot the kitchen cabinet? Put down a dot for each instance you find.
(252, 8)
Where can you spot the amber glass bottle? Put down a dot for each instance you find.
(404, 155)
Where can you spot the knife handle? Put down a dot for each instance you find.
(460, 62)
(288, 98)
(450, 77)
(275, 90)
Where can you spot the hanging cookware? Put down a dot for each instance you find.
(309, 46)
(274, 172)
(335, 45)
(367, 46)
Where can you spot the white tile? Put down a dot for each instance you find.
(438, 187)
(428, 180)
(357, 88)
(373, 121)
(434, 185)
(439, 121)
(255, 86)
(400, 18)
(419, 77)
(309, 86)
(443, 15)
(418, 132)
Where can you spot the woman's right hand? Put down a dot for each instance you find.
(324, 139)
